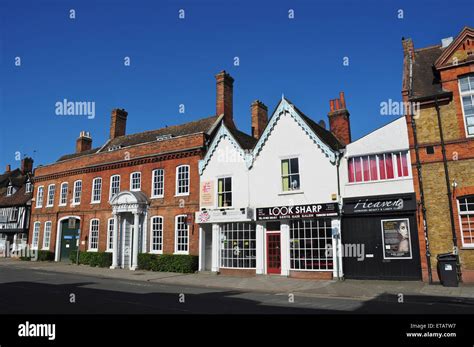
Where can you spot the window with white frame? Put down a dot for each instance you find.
(94, 235)
(110, 234)
(9, 190)
(51, 191)
(309, 243)
(114, 186)
(157, 234)
(39, 196)
(96, 189)
(47, 235)
(77, 192)
(290, 174)
(224, 192)
(238, 246)
(378, 167)
(29, 187)
(36, 232)
(158, 183)
(466, 88)
(63, 197)
(135, 181)
(181, 234)
(13, 214)
(466, 220)
(182, 180)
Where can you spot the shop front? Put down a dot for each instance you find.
(300, 240)
(385, 229)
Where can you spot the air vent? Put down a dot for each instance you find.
(163, 137)
(114, 148)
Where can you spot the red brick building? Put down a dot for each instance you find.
(135, 193)
(440, 80)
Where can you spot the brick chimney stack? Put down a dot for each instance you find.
(259, 118)
(224, 97)
(27, 165)
(118, 123)
(8, 168)
(339, 123)
(83, 142)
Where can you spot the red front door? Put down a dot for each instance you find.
(273, 253)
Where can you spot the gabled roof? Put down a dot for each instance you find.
(204, 125)
(426, 81)
(18, 180)
(465, 33)
(245, 141)
(325, 140)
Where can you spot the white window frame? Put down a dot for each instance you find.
(28, 187)
(10, 190)
(47, 237)
(63, 194)
(160, 250)
(35, 236)
(51, 195)
(111, 195)
(240, 229)
(39, 197)
(76, 198)
(140, 181)
(464, 94)
(231, 191)
(110, 235)
(14, 214)
(176, 231)
(187, 183)
(96, 194)
(90, 248)
(470, 215)
(289, 158)
(153, 183)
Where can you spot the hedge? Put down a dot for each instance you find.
(45, 256)
(168, 262)
(100, 259)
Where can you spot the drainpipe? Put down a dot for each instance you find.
(448, 187)
(338, 163)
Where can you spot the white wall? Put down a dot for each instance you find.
(390, 138)
(227, 161)
(318, 176)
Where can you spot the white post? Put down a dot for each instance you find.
(136, 224)
(202, 250)
(285, 248)
(115, 243)
(260, 251)
(215, 247)
(337, 248)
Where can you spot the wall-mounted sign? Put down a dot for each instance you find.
(396, 238)
(207, 194)
(224, 215)
(380, 204)
(71, 223)
(298, 211)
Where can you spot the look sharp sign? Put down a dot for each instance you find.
(298, 211)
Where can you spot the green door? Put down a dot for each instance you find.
(69, 238)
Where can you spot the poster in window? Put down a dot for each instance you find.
(396, 239)
(207, 194)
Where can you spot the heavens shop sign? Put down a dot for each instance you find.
(297, 211)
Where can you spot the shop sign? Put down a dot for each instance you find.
(298, 211)
(396, 239)
(224, 215)
(207, 194)
(379, 205)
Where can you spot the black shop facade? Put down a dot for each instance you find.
(385, 229)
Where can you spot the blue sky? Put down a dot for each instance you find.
(174, 61)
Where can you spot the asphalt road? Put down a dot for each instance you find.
(29, 291)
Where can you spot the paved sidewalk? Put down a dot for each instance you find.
(271, 284)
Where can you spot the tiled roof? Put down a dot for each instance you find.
(425, 80)
(245, 141)
(18, 180)
(203, 125)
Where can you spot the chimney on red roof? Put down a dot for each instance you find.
(224, 97)
(26, 165)
(83, 142)
(118, 123)
(339, 123)
(259, 118)
(8, 168)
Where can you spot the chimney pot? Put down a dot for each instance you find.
(339, 123)
(224, 97)
(8, 168)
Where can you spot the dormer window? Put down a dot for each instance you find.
(114, 148)
(163, 137)
(28, 187)
(10, 190)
